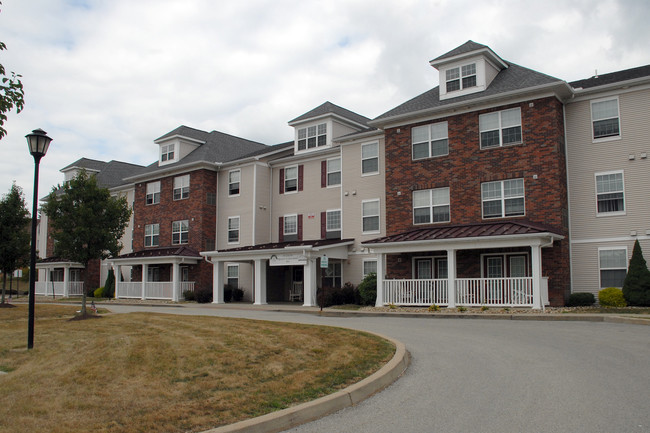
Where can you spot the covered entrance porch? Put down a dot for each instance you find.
(58, 277)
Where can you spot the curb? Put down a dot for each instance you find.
(303, 413)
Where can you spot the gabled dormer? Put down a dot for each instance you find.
(175, 145)
(317, 128)
(469, 68)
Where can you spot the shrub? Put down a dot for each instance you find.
(461, 309)
(237, 294)
(203, 296)
(348, 292)
(611, 297)
(433, 307)
(189, 295)
(581, 300)
(368, 289)
(109, 285)
(636, 287)
(99, 293)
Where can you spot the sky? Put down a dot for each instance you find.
(104, 79)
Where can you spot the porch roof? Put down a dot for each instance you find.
(266, 250)
(61, 262)
(178, 254)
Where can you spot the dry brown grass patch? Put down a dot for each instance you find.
(165, 373)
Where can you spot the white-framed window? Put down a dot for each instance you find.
(370, 216)
(153, 192)
(181, 187)
(500, 128)
(167, 152)
(610, 193)
(431, 206)
(312, 136)
(461, 77)
(605, 119)
(331, 276)
(180, 232)
(291, 179)
(333, 220)
(430, 140)
(612, 263)
(290, 225)
(151, 235)
(425, 268)
(369, 267)
(370, 158)
(233, 230)
(153, 274)
(334, 172)
(503, 198)
(234, 179)
(233, 275)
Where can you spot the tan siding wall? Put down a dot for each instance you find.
(263, 205)
(241, 206)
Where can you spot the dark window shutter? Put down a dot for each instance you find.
(300, 226)
(323, 225)
(282, 181)
(300, 173)
(323, 174)
(281, 230)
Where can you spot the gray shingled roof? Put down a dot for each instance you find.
(467, 47)
(329, 108)
(87, 163)
(114, 172)
(613, 77)
(513, 78)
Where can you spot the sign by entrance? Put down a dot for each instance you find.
(324, 262)
(287, 260)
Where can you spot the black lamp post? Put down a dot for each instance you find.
(38, 142)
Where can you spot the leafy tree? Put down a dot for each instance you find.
(11, 93)
(87, 222)
(636, 287)
(14, 234)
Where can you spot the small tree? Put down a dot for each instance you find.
(14, 234)
(109, 285)
(368, 289)
(636, 287)
(87, 222)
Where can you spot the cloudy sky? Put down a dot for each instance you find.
(106, 78)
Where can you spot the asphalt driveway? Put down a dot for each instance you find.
(475, 375)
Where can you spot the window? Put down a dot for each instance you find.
(234, 177)
(291, 179)
(312, 136)
(426, 268)
(181, 187)
(613, 266)
(370, 216)
(151, 235)
(461, 78)
(370, 158)
(430, 140)
(610, 197)
(500, 128)
(180, 230)
(233, 230)
(431, 206)
(333, 172)
(333, 221)
(290, 225)
(233, 275)
(604, 118)
(153, 192)
(369, 267)
(332, 275)
(153, 273)
(167, 152)
(503, 198)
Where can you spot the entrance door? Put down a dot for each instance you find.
(494, 269)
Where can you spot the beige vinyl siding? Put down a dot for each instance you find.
(230, 206)
(339, 130)
(263, 205)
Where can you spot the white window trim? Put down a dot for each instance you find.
(591, 117)
(151, 235)
(175, 188)
(327, 212)
(503, 201)
(155, 191)
(433, 259)
(431, 206)
(230, 183)
(627, 262)
(363, 266)
(459, 68)
(297, 179)
(228, 230)
(609, 214)
(429, 141)
(378, 216)
(328, 172)
(500, 129)
(163, 153)
(370, 173)
(328, 142)
(180, 232)
(505, 261)
(228, 277)
(284, 224)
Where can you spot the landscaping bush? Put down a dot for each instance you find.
(227, 292)
(581, 300)
(109, 285)
(636, 287)
(611, 297)
(99, 293)
(203, 296)
(237, 294)
(348, 294)
(368, 289)
(189, 295)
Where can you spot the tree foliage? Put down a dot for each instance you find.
(11, 93)
(14, 233)
(87, 222)
(636, 287)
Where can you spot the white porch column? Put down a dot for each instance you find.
(176, 281)
(145, 271)
(310, 283)
(66, 281)
(536, 262)
(217, 283)
(260, 282)
(381, 272)
(117, 272)
(451, 278)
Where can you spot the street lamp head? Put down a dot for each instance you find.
(38, 142)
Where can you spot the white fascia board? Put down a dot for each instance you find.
(177, 169)
(305, 157)
(361, 137)
(324, 116)
(225, 256)
(611, 89)
(486, 52)
(159, 260)
(61, 264)
(180, 137)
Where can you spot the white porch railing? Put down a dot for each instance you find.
(152, 290)
(75, 288)
(507, 292)
(415, 292)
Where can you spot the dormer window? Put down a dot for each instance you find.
(312, 137)
(167, 152)
(460, 78)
